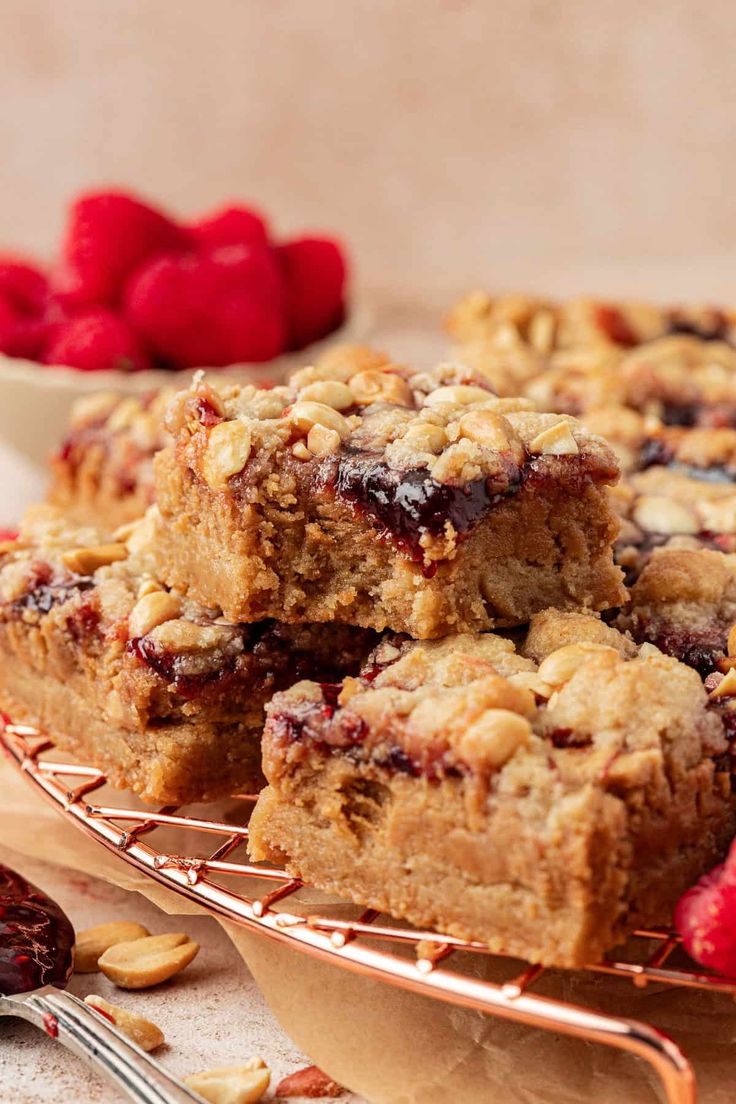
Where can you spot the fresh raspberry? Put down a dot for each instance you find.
(315, 272)
(96, 341)
(22, 286)
(23, 300)
(230, 226)
(21, 335)
(705, 917)
(108, 235)
(209, 310)
(9, 534)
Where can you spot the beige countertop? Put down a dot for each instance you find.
(212, 1014)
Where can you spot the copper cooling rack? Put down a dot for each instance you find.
(366, 945)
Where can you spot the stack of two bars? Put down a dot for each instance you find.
(542, 789)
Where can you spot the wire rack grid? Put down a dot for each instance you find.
(367, 945)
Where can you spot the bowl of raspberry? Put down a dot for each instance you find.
(137, 300)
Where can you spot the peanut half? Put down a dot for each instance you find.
(146, 962)
(85, 561)
(226, 454)
(93, 942)
(146, 1034)
(232, 1084)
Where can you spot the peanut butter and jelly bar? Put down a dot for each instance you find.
(383, 498)
(162, 694)
(545, 801)
(545, 324)
(102, 475)
(684, 602)
(679, 492)
(678, 364)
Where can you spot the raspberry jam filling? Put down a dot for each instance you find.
(701, 649)
(656, 453)
(408, 504)
(323, 726)
(45, 594)
(716, 416)
(264, 653)
(173, 667)
(716, 329)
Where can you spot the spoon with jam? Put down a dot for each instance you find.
(36, 962)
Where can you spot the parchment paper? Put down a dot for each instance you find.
(397, 1048)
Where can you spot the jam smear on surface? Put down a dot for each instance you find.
(36, 937)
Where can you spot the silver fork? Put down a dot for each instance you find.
(93, 1038)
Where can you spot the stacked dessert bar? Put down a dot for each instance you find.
(411, 576)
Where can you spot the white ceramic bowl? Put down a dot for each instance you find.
(35, 400)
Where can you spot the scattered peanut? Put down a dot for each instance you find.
(458, 394)
(426, 437)
(658, 514)
(560, 665)
(146, 1034)
(373, 386)
(304, 415)
(152, 610)
(726, 688)
(542, 331)
(93, 942)
(146, 962)
(507, 335)
(300, 451)
(322, 441)
(490, 741)
(226, 454)
(485, 428)
(85, 561)
(124, 532)
(718, 516)
(124, 414)
(148, 585)
(232, 1084)
(330, 392)
(556, 440)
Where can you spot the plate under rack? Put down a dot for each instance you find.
(367, 945)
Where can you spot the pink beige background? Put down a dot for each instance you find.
(525, 144)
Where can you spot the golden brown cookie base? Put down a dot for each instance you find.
(546, 798)
(561, 892)
(169, 764)
(319, 561)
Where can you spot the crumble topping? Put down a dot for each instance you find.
(454, 432)
(598, 709)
